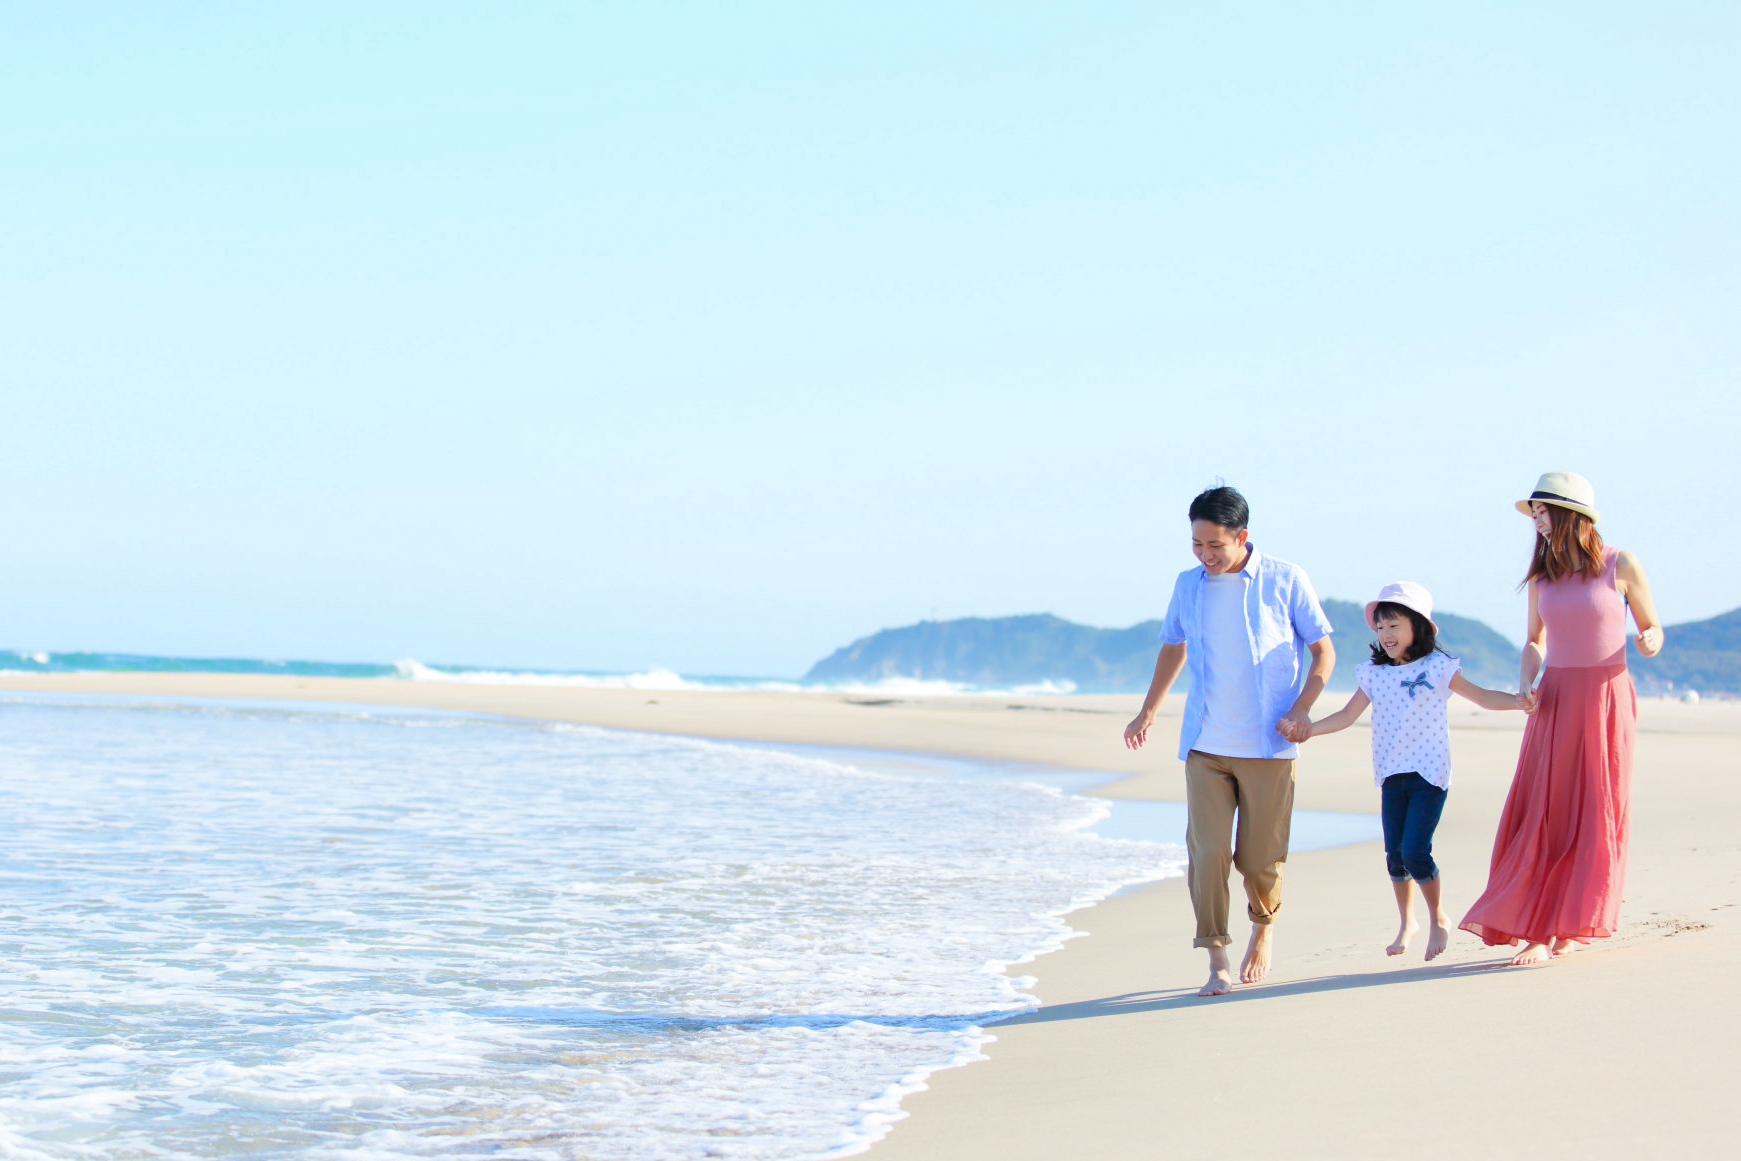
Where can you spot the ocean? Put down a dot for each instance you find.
(30, 661)
(280, 930)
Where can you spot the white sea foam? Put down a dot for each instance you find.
(652, 679)
(330, 936)
(665, 679)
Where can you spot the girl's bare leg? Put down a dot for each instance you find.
(1439, 936)
(1405, 908)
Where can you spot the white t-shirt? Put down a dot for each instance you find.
(1233, 723)
(1410, 728)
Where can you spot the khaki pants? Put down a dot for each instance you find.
(1261, 792)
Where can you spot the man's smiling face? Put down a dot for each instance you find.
(1217, 548)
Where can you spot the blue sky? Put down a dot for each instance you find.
(714, 337)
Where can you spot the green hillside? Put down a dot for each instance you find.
(998, 652)
(1699, 655)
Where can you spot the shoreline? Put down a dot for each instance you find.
(1618, 1051)
(1077, 784)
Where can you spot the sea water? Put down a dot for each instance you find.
(42, 661)
(276, 931)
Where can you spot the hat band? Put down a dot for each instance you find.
(1556, 496)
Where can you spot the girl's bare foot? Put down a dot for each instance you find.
(1567, 946)
(1256, 964)
(1438, 939)
(1401, 943)
(1531, 954)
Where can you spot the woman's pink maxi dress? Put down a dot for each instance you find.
(1559, 859)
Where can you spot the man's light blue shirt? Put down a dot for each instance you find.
(1282, 617)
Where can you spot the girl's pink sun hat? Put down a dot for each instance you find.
(1409, 595)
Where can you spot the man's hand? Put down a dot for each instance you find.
(1294, 729)
(1137, 732)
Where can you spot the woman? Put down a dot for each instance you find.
(1559, 859)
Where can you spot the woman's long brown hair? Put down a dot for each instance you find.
(1572, 545)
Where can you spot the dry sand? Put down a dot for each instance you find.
(1624, 1050)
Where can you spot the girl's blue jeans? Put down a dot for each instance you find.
(1410, 806)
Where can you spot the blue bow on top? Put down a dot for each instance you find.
(1415, 684)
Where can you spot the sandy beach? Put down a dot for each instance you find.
(1622, 1050)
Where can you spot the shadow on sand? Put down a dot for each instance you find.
(1128, 1004)
(1161, 1001)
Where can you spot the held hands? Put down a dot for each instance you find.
(1649, 642)
(1526, 701)
(1137, 732)
(1294, 729)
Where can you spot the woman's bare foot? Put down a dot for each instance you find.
(1220, 974)
(1567, 946)
(1438, 938)
(1401, 943)
(1531, 954)
(1256, 964)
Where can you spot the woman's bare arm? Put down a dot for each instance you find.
(1629, 578)
(1535, 644)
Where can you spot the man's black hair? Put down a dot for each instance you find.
(1221, 505)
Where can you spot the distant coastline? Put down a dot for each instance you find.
(1702, 656)
(1042, 647)
(1023, 655)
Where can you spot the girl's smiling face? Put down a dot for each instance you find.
(1396, 635)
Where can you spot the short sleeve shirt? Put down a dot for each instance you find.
(1282, 618)
(1411, 730)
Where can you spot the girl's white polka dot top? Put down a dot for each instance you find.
(1410, 728)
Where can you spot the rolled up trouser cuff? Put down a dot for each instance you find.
(1212, 941)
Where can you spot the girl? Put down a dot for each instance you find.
(1407, 682)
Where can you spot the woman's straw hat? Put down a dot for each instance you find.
(1409, 595)
(1565, 490)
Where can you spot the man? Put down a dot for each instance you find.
(1244, 622)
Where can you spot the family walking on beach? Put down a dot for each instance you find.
(1257, 643)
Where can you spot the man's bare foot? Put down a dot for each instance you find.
(1401, 943)
(1567, 946)
(1438, 939)
(1219, 984)
(1220, 974)
(1532, 953)
(1256, 963)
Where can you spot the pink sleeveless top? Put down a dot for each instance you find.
(1585, 618)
